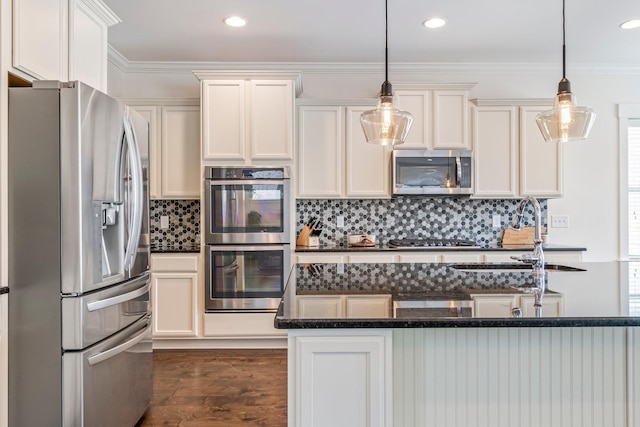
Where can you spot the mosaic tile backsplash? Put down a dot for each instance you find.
(184, 223)
(413, 217)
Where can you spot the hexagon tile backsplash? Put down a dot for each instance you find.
(414, 217)
(184, 223)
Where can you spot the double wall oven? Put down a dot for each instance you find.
(246, 236)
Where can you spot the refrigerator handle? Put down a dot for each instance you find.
(137, 193)
(114, 351)
(108, 302)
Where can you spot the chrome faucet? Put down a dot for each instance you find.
(536, 259)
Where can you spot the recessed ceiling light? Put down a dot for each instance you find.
(630, 24)
(235, 21)
(435, 22)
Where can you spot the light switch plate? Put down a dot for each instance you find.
(496, 221)
(164, 222)
(340, 222)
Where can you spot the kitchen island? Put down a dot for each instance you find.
(430, 344)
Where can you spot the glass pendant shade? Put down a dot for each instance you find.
(566, 121)
(386, 125)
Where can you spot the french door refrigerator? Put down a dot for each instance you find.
(79, 315)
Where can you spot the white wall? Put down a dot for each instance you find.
(590, 167)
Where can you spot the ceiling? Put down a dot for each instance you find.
(352, 31)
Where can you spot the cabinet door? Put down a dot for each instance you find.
(420, 258)
(367, 165)
(150, 113)
(87, 46)
(320, 259)
(174, 297)
(368, 306)
(180, 152)
(371, 258)
(320, 307)
(40, 38)
(450, 119)
(495, 151)
(552, 305)
(493, 305)
(463, 257)
(418, 103)
(271, 118)
(320, 152)
(223, 120)
(540, 161)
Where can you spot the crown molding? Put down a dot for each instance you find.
(261, 74)
(359, 68)
(513, 101)
(102, 11)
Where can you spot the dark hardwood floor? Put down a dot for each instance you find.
(225, 388)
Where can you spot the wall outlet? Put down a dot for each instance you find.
(340, 222)
(164, 222)
(496, 221)
(560, 221)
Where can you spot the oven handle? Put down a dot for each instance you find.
(245, 248)
(245, 182)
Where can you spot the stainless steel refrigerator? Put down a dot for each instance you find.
(79, 311)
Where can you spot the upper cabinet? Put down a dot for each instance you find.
(174, 147)
(334, 159)
(247, 120)
(440, 116)
(62, 40)
(511, 157)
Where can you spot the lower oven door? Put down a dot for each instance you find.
(109, 384)
(245, 278)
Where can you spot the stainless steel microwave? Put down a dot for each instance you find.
(432, 172)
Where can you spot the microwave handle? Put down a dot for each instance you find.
(458, 170)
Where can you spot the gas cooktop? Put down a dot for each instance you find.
(430, 242)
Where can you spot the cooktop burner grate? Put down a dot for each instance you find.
(430, 242)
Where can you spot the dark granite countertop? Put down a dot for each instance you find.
(385, 248)
(598, 296)
(185, 248)
(4, 290)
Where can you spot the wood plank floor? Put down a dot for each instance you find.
(211, 388)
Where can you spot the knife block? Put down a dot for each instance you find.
(306, 239)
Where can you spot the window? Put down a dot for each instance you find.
(633, 182)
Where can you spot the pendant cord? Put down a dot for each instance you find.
(386, 36)
(564, 47)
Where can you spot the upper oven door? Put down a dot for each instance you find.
(246, 212)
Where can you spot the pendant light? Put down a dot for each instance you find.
(386, 125)
(566, 121)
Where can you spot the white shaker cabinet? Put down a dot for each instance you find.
(440, 116)
(174, 295)
(89, 21)
(512, 159)
(334, 159)
(40, 38)
(174, 148)
(62, 40)
(244, 121)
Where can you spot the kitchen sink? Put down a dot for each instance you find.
(491, 267)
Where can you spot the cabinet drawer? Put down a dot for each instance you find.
(174, 262)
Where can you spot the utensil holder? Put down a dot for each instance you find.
(306, 239)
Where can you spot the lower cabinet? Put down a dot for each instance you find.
(430, 257)
(340, 378)
(500, 305)
(174, 295)
(343, 306)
